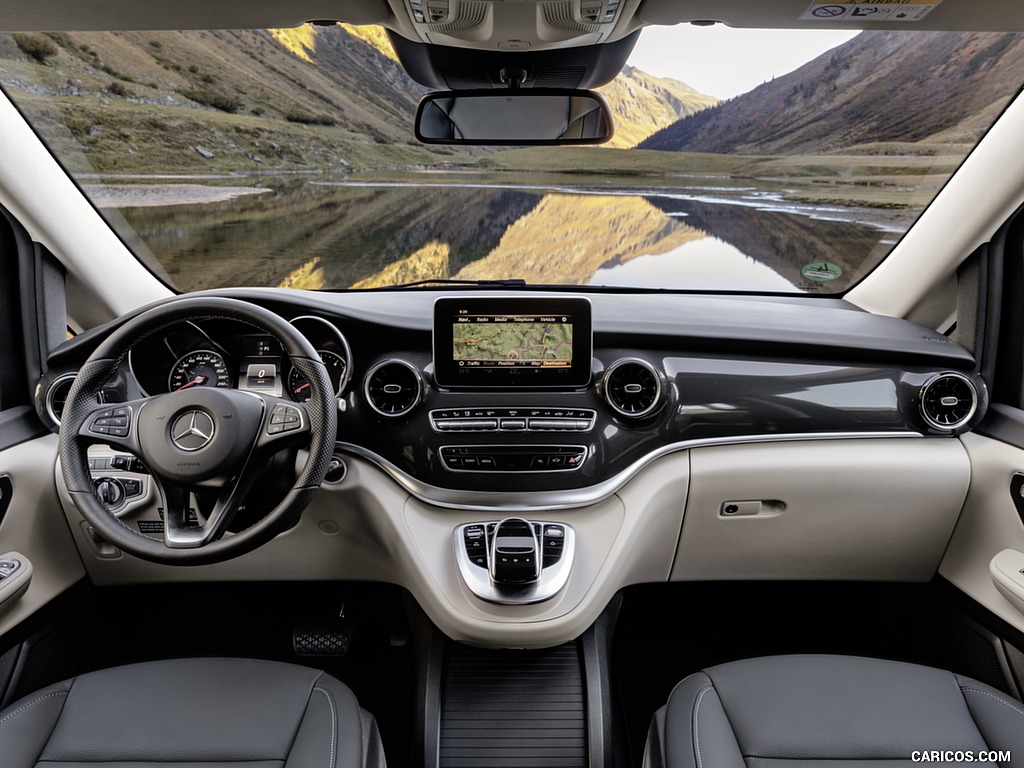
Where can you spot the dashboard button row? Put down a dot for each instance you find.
(512, 419)
(496, 458)
(477, 540)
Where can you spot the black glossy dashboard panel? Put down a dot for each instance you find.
(713, 369)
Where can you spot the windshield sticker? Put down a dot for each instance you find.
(869, 10)
(821, 271)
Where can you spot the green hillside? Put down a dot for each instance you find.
(881, 93)
(311, 98)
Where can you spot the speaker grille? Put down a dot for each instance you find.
(471, 15)
(560, 16)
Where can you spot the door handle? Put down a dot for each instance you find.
(1007, 571)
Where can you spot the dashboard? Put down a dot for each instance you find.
(480, 394)
(571, 427)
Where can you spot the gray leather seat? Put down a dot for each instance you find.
(192, 713)
(838, 711)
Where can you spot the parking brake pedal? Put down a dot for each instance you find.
(322, 636)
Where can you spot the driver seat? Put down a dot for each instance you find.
(192, 713)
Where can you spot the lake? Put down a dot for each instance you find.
(324, 232)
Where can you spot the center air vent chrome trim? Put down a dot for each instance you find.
(633, 389)
(388, 387)
(532, 501)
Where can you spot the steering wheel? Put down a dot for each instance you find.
(198, 439)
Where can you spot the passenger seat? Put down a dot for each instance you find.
(835, 712)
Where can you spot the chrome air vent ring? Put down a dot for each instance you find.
(632, 388)
(948, 401)
(393, 388)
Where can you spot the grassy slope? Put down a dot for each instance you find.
(322, 98)
(879, 88)
(641, 104)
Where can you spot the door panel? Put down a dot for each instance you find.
(988, 524)
(34, 526)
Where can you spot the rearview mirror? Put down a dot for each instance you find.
(522, 117)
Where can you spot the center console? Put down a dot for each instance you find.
(496, 345)
(515, 561)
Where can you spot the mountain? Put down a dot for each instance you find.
(641, 104)
(330, 97)
(880, 88)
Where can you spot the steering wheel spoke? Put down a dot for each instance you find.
(185, 527)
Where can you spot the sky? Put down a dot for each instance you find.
(723, 62)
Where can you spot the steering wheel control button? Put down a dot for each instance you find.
(284, 418)
(193, 430)
(512, 419)
(115, 422)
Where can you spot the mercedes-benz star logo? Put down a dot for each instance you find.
(192, 431)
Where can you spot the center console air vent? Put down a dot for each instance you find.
(948, 401)
(393, 388)
(632, 388)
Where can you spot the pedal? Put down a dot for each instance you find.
(319, 636)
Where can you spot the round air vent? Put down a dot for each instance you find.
(948, 401)
(57, 396)
(393, 388)
(632, 388)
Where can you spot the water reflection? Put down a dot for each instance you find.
(363, 234)
(704, 264)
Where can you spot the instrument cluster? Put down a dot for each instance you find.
(230, 355)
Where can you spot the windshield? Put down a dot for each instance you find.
(742, 161)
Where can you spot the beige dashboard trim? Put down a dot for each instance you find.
(538, 501)
(842, 510)
(370, 528)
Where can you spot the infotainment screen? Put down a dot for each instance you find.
(509, 341)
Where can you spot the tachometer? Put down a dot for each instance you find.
(201, 368)
(299, 386)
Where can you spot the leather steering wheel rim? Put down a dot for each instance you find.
(317, 418)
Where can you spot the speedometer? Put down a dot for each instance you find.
(201, 368)
(299, 386)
